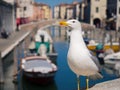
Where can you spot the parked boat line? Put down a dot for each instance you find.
(115, 46)
(113, 61)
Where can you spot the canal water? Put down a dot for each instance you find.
(64, 78)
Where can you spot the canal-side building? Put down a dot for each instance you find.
(7, 18)
(67, 11)
(113, 8)
(56, 12)
(60, 11)
(48, 11)
(111, 13)
(95, 12)
(24, 10)
(41, 11)
(82, 17)
(63, 8)
(76, 10)
(38, 12)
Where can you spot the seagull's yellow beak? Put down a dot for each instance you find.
(63, 23)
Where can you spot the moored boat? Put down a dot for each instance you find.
(112, 59)
(115, 46)
(43, 45)
(38, 70)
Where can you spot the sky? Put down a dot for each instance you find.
(52, 3)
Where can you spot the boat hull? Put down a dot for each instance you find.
(38, 70)
(114, 47)
(38, 78)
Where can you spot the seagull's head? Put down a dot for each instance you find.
(73, 23)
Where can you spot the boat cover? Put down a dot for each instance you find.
(42, 66)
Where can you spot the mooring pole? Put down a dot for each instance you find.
(1, 70)
(15, 63)
(119, 43)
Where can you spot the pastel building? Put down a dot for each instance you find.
(56, 12)
(48, 11)
(24, 10)
(67, 11)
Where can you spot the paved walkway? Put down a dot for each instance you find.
(108, 85)
(6, 45)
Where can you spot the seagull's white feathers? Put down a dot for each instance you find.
(80, 60)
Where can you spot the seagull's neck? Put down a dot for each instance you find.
(76, 38)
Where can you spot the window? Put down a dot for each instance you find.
(25, 8)
(97, 9)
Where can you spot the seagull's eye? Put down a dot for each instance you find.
(73, 21)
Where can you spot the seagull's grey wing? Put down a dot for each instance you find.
(95, 60)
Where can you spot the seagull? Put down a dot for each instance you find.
(80, 60)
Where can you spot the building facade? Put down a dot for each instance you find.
(63, 8)
(48, 11)
(39, 12)
(7, 18)
(95, 12)
(56, 12)
(67, 11)
(24, 10)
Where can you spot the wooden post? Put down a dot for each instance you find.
(119, 43)
(103, 39)
(116, 35)
(1, 70)
(111, 43)
(15, 63)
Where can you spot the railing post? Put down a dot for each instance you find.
(15, 64)
(119, 43)
(1, 70)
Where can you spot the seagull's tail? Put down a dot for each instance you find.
(96, 76)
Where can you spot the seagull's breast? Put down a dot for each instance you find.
(79, 58)
(81, 64)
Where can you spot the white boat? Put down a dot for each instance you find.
(38, 69)
(43, 45)
(112, 59)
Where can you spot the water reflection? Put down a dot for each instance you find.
(31, 86)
